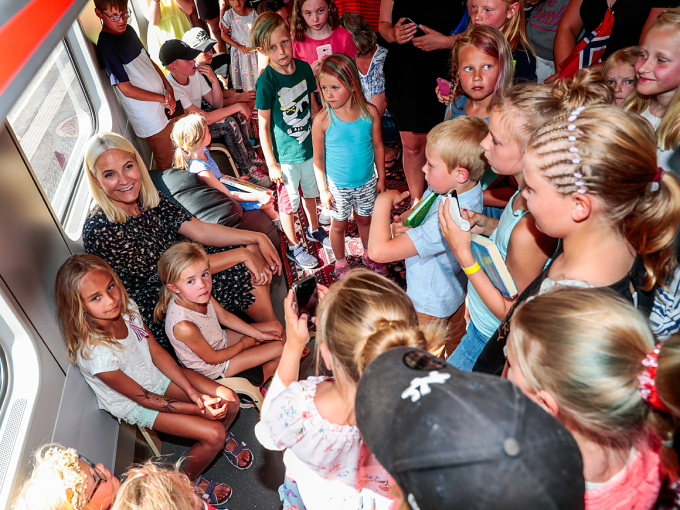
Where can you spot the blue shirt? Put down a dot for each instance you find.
(196, 166)
(435, 282)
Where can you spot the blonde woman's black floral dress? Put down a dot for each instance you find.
(134, 247)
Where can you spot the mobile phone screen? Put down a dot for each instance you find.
(444, 87)
(307, 295)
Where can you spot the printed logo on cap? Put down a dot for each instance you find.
(421, 385)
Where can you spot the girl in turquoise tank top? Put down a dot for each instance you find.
(349, 158)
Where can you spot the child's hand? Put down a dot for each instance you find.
(247, 342)
(316, 65)
(397, 228)
(478, 221)
(297, 332)
(442, 98)
(380, 188)
(459, 240)
(169, 101)
(242, 48)
(326, 199)
(268, 336)
(275, 173)
(207, 71)
(244, 97)
(215, 408)
(394, 196)
(265, 198)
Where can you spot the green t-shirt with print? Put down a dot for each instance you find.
(289, 97)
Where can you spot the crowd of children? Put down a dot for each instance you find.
(585, 232)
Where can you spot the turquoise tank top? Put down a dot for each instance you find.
(486, 322)
(349, 151)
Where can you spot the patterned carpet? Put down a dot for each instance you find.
(354, 248)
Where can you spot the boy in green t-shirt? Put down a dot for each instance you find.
(286, 107)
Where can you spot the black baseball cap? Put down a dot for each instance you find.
(174, 49)
(461, 440)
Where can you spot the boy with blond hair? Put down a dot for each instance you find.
(143, 89)
(285, 109)
(435, 282)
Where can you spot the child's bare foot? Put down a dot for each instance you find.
(237, 452)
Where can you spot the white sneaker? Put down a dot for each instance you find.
(325, 217)
(300, 256)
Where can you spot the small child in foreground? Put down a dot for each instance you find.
(435, 281)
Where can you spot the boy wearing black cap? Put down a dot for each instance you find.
(144, 91)
(224, 123)
(455, 440)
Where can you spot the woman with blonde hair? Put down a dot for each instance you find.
(63, 480)
(590, 359)
(134, 224)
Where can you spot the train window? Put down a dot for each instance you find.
(53, 119)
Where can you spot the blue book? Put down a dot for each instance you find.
(489, 258)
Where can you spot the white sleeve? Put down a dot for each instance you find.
(103, 359)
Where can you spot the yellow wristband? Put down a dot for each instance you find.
(472, 269)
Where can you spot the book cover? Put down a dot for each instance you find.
(418, 215)
(243, 186)
(489, 258)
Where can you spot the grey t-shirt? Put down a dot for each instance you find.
(542, 26)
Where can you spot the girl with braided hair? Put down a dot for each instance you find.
(591, 179)
(327, 464)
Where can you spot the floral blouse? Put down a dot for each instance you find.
(330, 463)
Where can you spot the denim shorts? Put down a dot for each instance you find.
(471, 346)
(143, 416)
(361, 199)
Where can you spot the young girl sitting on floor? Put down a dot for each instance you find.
(317, 32)
(591, 179)
(514, 116)
(193, 320)
(347, 149)
(134, 378)
(481, 69)
(589, 359)
(656, 97)
(191, 137)
(508, 17)
(327, 464)
(619, 70)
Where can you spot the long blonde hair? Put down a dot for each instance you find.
(170, 266)
(343, 69)
(585, 347)
(668, 132)
(187, 133)
(98, 145)
(617, 162)
(364, 315)
(56, 481)
(152, 486)
(80, 330)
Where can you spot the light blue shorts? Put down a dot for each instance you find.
(361, 199)
(297, 176)
(143, 416)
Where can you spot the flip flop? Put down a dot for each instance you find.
(209, 494)
(232, 456)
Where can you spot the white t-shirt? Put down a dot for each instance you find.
(192, 92)
(132, 356)
(662, 156)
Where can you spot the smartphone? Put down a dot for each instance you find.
(306, 295)
(419, 31)
(454, 209)
(325, 50)
(444, 87)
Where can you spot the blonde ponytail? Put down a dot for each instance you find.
(187, 134)
(363, 316)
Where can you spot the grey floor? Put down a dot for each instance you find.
(256, 487)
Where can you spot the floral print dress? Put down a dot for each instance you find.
(328, 466)
(134, 247)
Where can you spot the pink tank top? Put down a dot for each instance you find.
(211, 331)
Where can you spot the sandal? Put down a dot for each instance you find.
(232, 456)
(397, 156)
(209, 494)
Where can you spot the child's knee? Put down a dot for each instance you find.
(215, 436)
(227, 394)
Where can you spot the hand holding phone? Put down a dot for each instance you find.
(444, 87)
(306, 295)
(419, 31)
(454, 210)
